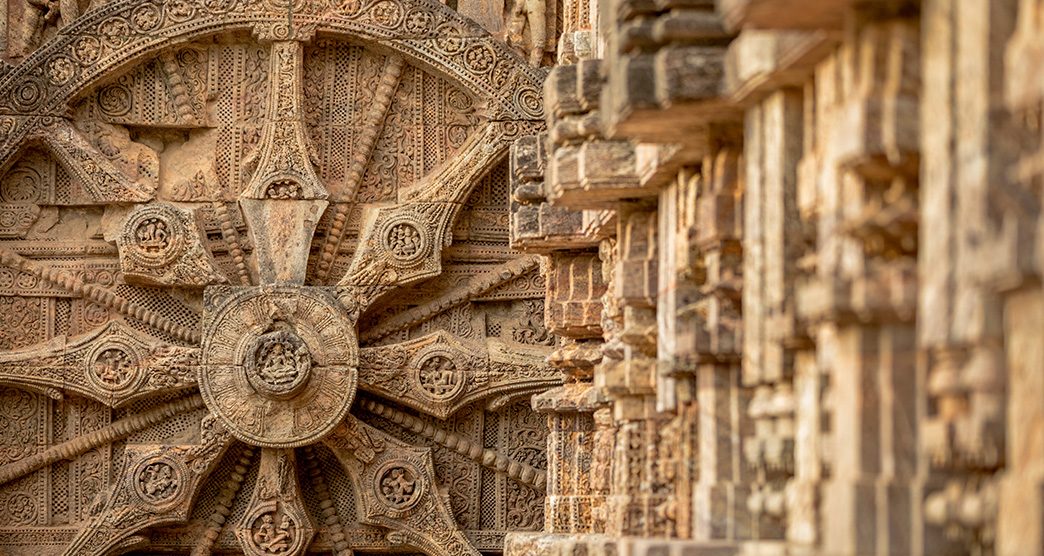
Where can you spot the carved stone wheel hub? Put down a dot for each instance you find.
(279, 363)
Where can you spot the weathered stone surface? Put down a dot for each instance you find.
(731, 277)
(231, 319)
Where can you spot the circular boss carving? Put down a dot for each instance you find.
(279, 364)
(154, 235)
(399, 485)
(159, 481)
(113, 367)
(438, 376)
(404, 240)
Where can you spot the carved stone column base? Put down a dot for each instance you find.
(574, 513)
(632, 546)
(543, 544)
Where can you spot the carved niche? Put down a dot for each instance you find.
(256, 290)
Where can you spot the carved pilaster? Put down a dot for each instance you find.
(1020, 236)
(864, 296)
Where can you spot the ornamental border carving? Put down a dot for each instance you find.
(105, 39)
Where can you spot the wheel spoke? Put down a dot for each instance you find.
(438, 374)
(396, 487)
(158, 485)
(276, 521)
(403, 244)
(105, 435)
(112, 364)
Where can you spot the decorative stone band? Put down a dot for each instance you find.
(516, 471)
(105, 435)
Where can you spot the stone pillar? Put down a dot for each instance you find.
(641, 497)
(1020, 239)
(771, 74)
(707, 348)
(772, 244)
(960, 326)
(864, 299)
(542, 167)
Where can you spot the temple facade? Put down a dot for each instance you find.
(522, 277)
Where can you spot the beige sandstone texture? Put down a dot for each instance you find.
(522, 277)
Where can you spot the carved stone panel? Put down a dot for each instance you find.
(248, 254)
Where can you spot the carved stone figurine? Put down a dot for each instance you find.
(533, 13)
(38, 15)
(273, 539)
(41, 13)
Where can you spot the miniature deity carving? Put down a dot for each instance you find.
(153, 236)
(404, 241)
(157, 481)
(281, 364)
(399, 487)
(272, 536)
(438, 375)
(113, 367)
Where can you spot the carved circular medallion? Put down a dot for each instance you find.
(386, 13)
(114, 367)
(115, 100)
(399, 485)
(87, 50)
(273, 529)
(279, 364)
(154, 235)
(438, 376)
(22, 185)
(146, 17)
(159, 481)
(403, 240)
(28, 94)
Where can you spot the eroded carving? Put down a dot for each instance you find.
(150, 158)
(114, 367)
(437, 374)
(158, 481)
(160, 245)
(279, 365)
(398, 486)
